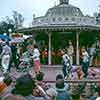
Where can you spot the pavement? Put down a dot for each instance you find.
(49, 71)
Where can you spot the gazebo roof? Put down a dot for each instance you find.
(64, 10)
(61, 18)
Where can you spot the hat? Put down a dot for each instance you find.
(2, 86)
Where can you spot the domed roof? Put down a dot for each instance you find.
(64, 9)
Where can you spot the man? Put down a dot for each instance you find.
(66, 63)
(85, 61)
(14, 58)
(5, 55)
(98, 93)
(25, 86)
(62, 92)
(70, 51)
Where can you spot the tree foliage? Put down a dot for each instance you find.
(11, 23)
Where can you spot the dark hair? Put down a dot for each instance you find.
(98, 90)
(7, 80)
(59, 76)
(60, 81)
(35, 46)
(40, 76)
(24, 85)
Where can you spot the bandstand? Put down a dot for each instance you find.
(63, 18)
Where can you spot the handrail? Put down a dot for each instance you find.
(76, 81)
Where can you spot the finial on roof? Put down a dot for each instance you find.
(64, 1)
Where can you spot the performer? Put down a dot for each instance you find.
(44, 56)
(85, 61)
(91, 54)
(66, 63)
(5, 55)
(36, 59)
(70, 52)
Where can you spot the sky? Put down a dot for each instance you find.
(39, 7)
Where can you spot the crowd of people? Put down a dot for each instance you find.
(32, 87)
(10, 58)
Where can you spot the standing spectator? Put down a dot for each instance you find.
(6, 56)
(14, 59)
(36, 59)
(66, 63)
(85, 61)
(62, 93)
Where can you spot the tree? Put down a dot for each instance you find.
(11, 23)
(97, 16)
(18, 19)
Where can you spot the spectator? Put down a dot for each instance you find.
(3, 91)
(6, 57)
(25, 86)
(80, 73)
(8, 81)
(62, 93)
(12, 97)
(52, 93)
(39, 78)
(98, 93)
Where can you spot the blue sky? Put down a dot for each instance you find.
(39, 7)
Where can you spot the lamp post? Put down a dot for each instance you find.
(9, 30)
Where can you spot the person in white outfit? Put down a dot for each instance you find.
(5, 57)
(70, 51)
(91, 54)
(66, 64)
(36, 59)
(85, 61)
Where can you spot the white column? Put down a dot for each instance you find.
(77, 49)
(49, 52)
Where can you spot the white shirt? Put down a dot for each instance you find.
(36, 54)
(65, 58)
(98, 98)
(92, 51)
(85, 56)
(6, 50)
(70, 50)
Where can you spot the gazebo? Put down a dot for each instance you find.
(63, 17)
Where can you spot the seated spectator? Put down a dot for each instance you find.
(52, 93)
(98, 93)
(62, 93)
(25, 86)
(76, 73)
(3, 91)
(8, 81)
(39, 78)
(12, 97)
(80, 73)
